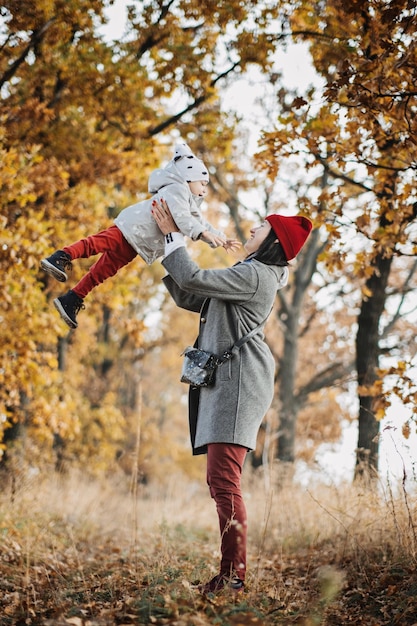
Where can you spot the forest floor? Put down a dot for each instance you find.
(89, 553)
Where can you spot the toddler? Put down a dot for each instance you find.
(183, 185)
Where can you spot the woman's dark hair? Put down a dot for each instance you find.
(270, 251)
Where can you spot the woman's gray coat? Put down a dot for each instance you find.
(240, 298)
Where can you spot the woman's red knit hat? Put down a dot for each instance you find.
(292, 232)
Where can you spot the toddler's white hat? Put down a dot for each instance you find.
(189, 167)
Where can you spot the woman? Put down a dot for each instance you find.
(225, 418)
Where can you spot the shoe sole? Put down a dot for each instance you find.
(53, 271)
(64, 314)
(226, 589)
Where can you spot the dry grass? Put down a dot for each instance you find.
(81, 552)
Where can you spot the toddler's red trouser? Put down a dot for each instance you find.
(224, 470)
(116, 253)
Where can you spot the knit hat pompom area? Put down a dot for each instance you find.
(188, 166)
(292, 232)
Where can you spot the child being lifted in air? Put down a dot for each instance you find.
(183, 185)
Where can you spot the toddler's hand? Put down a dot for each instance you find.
(213, 239)
(231, 245)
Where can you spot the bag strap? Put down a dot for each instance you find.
(240, 342)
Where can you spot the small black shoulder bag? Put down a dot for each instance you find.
(199, 366)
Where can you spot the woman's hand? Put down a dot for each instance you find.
(162, 216)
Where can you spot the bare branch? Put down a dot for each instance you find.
(335, 373)
(403, 291)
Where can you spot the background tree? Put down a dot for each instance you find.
(89, 119)
(364, 138)
(84, 121)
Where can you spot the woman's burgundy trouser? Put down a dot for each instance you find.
(224, 470)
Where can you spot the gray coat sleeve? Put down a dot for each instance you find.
(236, 284)
(183, 299)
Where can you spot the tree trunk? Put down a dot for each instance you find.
(288, 411)
(290, 316)
(62, 350)
(367, 362)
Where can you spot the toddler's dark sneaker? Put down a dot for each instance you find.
(222, 582)
(68, 307)
(56, 264)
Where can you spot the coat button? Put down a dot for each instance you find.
(203, 320)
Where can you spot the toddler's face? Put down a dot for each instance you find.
(199, 188)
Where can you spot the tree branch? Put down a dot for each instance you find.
(340, 175)
(335, 372)
(37, 36)
(151, 40)
(403, 291)
(193, 105)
